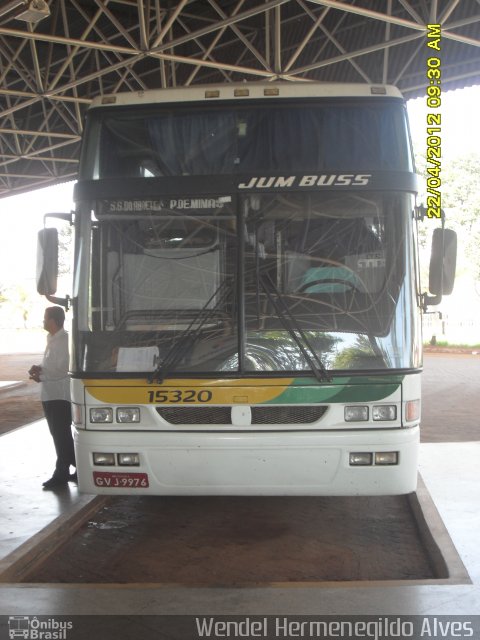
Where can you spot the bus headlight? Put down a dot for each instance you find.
(101, 415)
(356, 413)
(384, 412)
(128, 414)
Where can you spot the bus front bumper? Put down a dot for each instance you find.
(266, 463)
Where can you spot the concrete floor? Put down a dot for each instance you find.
(449, 470)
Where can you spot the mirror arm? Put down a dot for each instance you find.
(63, 302)
(60, 216)
(430, 301)
(421, 214)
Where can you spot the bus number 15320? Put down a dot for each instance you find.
(179, 395)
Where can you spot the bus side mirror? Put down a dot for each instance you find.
(443, 262)
(47, 261)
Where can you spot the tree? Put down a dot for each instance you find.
(3, 294)
(65, 249)
(22, 302)
(461, 200)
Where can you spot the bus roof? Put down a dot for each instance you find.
(256, 90)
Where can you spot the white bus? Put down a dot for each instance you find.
(246, 304)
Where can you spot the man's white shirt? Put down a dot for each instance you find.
(54, 374)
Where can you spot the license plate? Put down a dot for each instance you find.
(120, 480)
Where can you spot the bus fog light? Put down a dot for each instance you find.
(129, 459)
(104, 459)
(384, 412)
(101, 415)
(361, 458)
(386, 457)
(356, 413)
(128, 414)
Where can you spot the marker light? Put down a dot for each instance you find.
(412, 410)
(77, 414)
(356, 413)
(128, 414)
(384, 412)
(101, 415)
(104, 459)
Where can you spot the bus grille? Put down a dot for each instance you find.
(287, 415)
(196, 415)
(296, 414)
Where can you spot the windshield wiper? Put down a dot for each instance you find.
(296, 332)
(190, 334)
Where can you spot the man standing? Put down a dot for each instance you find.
(55, 395)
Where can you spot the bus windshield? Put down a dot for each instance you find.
(178, 140)
(252, 283)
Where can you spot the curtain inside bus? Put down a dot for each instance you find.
(219, 141)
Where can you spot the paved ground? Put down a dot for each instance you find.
(220, 541)
(451, 398)
(20, 405)
(450, 411)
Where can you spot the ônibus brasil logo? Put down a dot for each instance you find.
(31, 628)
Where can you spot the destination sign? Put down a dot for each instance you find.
(140, 205)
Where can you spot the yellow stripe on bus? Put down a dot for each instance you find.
(185, 391)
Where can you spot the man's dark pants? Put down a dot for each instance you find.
(59, 418)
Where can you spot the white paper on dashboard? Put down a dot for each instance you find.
(137, 358)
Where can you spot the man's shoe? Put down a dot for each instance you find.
(73, 477)
(54, 483)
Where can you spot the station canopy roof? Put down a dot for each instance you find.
(56, 55)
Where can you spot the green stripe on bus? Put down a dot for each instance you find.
(346, 390)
